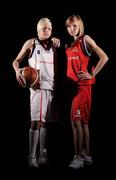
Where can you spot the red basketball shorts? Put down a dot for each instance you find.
(81, 104)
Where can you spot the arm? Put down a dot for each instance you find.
(103, 58)
(26, 48)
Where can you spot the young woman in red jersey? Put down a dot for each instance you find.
(78, 55)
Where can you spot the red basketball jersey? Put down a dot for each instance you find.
(77, 60)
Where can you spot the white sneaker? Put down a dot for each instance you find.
(87, 159)
(32, 162)
(76, 163)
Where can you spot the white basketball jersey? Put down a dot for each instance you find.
(43, 60)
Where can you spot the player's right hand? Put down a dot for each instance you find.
(20, 77)
(56, 42)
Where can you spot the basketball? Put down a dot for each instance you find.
(31, 76)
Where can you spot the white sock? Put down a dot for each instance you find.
(33, 140)
(42, 139)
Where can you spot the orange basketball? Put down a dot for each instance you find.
(31, 76)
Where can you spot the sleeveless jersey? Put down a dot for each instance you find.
(77, 60)
(43, 60)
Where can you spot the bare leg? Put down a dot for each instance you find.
(86, 137)
(80, 136)
(75, 138)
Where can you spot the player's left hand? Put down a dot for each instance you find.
(84, 75)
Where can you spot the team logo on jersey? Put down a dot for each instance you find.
(73, 58)
(78, 113)
(38, 51)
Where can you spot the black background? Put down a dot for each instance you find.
(17, 24)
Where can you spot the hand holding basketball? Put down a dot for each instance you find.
(28, 77)
(20, 78)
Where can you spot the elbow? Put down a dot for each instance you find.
(13, 64)
(106, 58)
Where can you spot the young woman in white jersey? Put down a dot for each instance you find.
(41, 53)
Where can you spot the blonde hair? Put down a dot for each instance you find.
(42, 22)
(81, 25)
